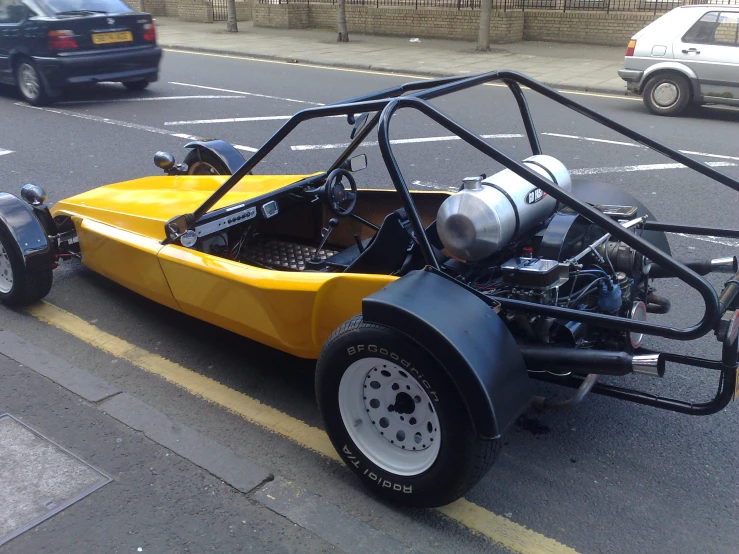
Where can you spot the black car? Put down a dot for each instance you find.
(49, 45)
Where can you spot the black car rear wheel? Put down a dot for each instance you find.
(31, 84)
(136, 85)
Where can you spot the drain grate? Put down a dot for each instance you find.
(38, 478)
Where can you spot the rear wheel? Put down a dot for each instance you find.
(395, 417)
(31, 84)
(136, 85)
(667, 94)
(19, 287)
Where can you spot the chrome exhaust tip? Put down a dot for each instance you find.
(725, 265)
(648, 364)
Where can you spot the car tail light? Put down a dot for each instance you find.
(61, 40)
(150, 32)
(630, 48)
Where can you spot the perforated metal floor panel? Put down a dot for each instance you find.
(282, 254)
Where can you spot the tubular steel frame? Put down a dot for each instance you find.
(415, 95)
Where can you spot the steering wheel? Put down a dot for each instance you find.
(340, 200)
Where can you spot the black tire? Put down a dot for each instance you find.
(23, 287)
(202, 162)
(461, 460)
(667, 93)
(31, 84)
(136, 85)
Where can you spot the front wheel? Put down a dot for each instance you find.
(667, 94)
(18, 286)
(202, 162)
(396, 418)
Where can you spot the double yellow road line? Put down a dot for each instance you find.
(498, 529)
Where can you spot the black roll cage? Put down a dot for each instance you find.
(415, 95)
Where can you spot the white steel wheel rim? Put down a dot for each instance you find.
(666, 94)
(6, 271)
(29, 81)
(389, 416)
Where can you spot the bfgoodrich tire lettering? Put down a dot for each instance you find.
(443, 471)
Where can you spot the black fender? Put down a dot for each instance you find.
(466, 337)
(597, 192)
(30, 238)
(224, 151)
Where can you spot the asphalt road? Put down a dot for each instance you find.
(608, 477)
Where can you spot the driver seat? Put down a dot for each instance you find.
(384, 253)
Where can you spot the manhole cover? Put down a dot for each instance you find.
(38, 478)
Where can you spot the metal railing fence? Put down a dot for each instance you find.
(653, 6)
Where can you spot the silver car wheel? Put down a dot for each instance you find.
(29, 81)
(389, 416)
(6, 271)
(666, 94)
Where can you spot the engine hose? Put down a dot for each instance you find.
(543, 403)
(657, 304)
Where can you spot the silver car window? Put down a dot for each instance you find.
(715, 28)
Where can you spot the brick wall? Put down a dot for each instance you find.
(199, 11)
(154, 7)
(608, 29)
(281, 16)
(243, 10)
(171, 8)
(392, 21)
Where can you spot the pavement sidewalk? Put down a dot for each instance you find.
(566, 66)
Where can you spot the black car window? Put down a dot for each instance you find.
(13, 11)
(80, 7)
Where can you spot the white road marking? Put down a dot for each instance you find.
(247, 93)
(432, 185)
(127, 124)
(3, 152)
(237, 119)
(396, 141)
(642, 167)
(715, 240)
(620, 143)
(149, 99)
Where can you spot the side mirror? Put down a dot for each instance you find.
(33, 194)
(359, 122)
(164, 160)
(357, 163)
(177, 226)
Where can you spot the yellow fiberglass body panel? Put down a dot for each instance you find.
(292, 311)
(120, 228)
(142, 206)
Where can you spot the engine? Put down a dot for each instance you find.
(508, 238)
(487, 214)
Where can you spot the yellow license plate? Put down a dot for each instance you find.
(108, 38)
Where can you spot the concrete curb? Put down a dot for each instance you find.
(302, 507)
(394, 71)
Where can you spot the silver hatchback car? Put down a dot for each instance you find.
(690, 55)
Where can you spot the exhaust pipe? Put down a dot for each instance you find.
(595, 362)
(701, 267)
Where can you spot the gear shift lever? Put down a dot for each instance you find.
(325, 232)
